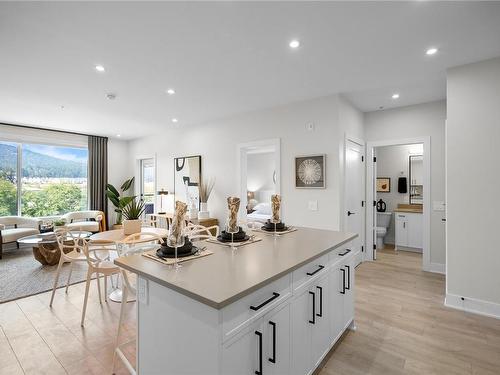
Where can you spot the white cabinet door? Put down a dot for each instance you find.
(337, 283)
(349, 292)
(301, 334)
(242, 355)
(277, 341)
(321, 337)
(415, 231)
(401, 230)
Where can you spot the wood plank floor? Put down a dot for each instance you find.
(403, 328)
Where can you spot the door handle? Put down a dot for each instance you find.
(273, 359)
(259, 371)
(313, 321)
(349, 213)
(343, 281)
(320, 314)
(348, 287)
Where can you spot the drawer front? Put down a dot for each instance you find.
(341, 253)
(304, 275)
(242, 312)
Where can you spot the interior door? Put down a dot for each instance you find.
(355, 195)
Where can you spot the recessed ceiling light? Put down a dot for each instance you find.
(431, 51)
(118, 135)
(294, 44)
(395, 96)
(174, 120)
(99, 68)
(170, 91)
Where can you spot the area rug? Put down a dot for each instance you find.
(21, 275)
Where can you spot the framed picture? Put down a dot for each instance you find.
(383, 184)
(187, 177)
(310, 172)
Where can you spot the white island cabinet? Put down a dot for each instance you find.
(272, 307)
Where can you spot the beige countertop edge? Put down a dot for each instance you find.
(219, 305)
(409, 210)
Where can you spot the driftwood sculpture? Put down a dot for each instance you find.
(233, 205)
(178, 224)
(275, 205)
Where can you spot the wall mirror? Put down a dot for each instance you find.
(416, 179)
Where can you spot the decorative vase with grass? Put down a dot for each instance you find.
(132, 213)
(206, 187)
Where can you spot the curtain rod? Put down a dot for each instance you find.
(49, 130)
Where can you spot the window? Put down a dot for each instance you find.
(148, 183)
(53, 179)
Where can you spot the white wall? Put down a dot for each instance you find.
(119, 169)
(473, 184)
(417, 121)
(217, 142)
(391, 161)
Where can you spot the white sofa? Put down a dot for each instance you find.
(13, 228)
(90, 221)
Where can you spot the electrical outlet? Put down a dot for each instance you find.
(313, 205)
(142, 290)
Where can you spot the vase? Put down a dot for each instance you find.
(131, 226)
(204, 213)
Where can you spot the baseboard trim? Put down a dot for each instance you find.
(473, 305)
(437, 268)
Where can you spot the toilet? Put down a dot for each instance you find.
(383, 221)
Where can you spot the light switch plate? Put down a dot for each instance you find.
(313, 205)
(142, 290)
(438, 206)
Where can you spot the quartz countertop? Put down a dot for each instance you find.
(224, 277)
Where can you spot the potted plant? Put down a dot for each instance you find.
(59, 223)
(206, 188)
(119, 201)
(132, 213)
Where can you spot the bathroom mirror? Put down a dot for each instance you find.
(416, 179)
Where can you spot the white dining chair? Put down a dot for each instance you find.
(133, 244)
(97, 266)
(200, 232)
(69, 246)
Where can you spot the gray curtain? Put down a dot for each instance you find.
(98, 173)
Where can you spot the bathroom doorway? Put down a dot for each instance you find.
(398, 175)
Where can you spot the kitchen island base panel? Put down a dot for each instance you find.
(180, 335)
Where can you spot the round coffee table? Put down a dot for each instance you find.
(45, 248)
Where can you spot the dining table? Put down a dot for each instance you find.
(117, 236)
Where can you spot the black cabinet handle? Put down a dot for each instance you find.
(255, 308)
(349, 213)
(320, 314)
(259, 372)
(320, 267)
(313, 321)
(348, 287)
(343, 281)
(273, 359)
(345, 252)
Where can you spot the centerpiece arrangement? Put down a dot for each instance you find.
(274, 224)
(132, 213)
(233, 232)
(177, 244)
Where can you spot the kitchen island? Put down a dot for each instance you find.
(275, 306)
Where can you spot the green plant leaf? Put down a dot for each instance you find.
(127, 184)
(124, 201)
(112, 189)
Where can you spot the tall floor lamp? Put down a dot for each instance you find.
(161, 193)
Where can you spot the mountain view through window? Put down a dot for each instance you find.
(53, 179)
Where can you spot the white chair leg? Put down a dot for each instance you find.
(69, 276)
(98, 280)
(85, 299)
(105, 288)
(56, 280)
(120, 322)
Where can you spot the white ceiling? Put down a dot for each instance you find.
(225, 58)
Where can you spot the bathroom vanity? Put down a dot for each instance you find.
(276, 306)
(409, 229)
